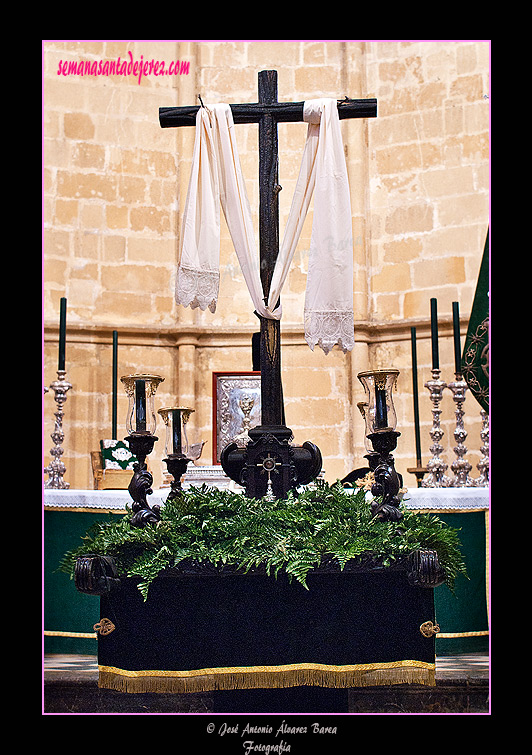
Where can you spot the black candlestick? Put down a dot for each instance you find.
(387, 481)
(62, 334)
(456, 337)
(140, 405)
(115, 385)
(142, 480)
(381, 413)
(434, 333)
(177, 466)
(416, 397)
(419, 470)
(176, 432)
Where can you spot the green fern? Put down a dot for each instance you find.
(294, 535)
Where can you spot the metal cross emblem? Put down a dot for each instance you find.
(268, 465)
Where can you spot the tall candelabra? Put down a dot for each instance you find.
(460, 466)
(56, 469)
(484, 464)
(436, 477)
(141, 424)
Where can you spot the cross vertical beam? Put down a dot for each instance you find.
(270, 331)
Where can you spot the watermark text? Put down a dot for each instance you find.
(123, 67)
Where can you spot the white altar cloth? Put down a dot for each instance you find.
(114, 500)
(447, 499)
(430, 499)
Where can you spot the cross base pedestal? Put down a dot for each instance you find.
(269, 466)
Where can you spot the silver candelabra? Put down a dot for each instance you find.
(56, 469)
(436, 467)
(460, 466)
(435, 477)
(484, 464)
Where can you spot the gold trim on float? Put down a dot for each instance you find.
(452, 635)
(88, 635)
(253, 677)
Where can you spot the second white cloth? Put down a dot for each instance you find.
(216, 178)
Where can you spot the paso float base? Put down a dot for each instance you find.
(203, 632)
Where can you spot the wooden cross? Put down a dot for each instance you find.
(268, 112)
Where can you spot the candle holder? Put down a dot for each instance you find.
(56, 469)
(175, 418)
(460, 466)
(484, 464)
(381, 420)
(362, 407)
(360, 472)
(436, 467)
(141, 424)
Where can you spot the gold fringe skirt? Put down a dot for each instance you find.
(270, 677)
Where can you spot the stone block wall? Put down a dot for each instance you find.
(114, 187)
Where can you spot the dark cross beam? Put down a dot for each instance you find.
(268, 112)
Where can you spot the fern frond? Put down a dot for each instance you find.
(291, 535)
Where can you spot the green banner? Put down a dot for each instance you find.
(475, 357)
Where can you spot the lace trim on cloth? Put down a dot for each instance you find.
(329, 327)
(197, 288)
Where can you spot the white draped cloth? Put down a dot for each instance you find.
(216, 179)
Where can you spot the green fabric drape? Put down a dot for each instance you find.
(475, 357)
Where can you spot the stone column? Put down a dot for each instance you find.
(356, 145)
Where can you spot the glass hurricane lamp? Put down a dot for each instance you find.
(141, 424)
(381, 420)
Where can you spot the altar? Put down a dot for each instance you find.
(69, 615)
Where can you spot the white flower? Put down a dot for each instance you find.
(122, 454)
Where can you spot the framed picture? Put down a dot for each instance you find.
(236, 408)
